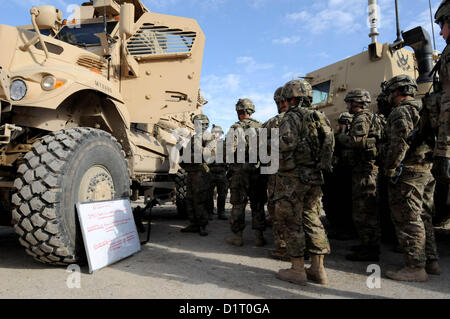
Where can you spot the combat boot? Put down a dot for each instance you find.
(259, 238)
(191, 229)
(432, 268)
(296, 274)
(235, 239)
(365, 254)
(203, 232)
(316, 272)
(408, 274)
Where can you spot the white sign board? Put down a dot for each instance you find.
(109, 232)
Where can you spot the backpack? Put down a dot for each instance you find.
(319, 137)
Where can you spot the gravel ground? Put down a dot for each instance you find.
(186, 266)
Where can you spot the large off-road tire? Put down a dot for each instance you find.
(181, 191)
(64, 168)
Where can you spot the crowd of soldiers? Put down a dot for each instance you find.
(403, 148)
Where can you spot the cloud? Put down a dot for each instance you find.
(252, 66)
(213, 84)
(286, 40)
(335, 15)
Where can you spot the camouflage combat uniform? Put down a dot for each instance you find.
(411, 197)
(197, 181)
(218, 175)
(443, 139)
(297, 190)
(364, 178)
(440, 121)
(246, 185)
(337, 197)
(273, 123)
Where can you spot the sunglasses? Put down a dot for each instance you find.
(441, 24)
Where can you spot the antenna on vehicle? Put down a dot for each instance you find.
(432, 24)
(373, 20)
(397, 19)
(398, 43)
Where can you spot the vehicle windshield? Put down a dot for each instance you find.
(84, 34)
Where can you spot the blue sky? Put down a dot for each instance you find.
(255, 46)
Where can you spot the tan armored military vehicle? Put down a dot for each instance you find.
(370, 68)
(87, 107)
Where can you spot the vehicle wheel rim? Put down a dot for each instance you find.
(96, 185)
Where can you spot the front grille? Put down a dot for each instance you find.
(160, 40)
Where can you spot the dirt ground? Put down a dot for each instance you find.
(186, 266)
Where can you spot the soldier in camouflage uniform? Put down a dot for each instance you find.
(361, 140)
(386, 225)
(408, 165)
(441, 167)
(337, 197)
(218, 173)
(246, 181)
(197, 183)
(297, 191)
(273, 123)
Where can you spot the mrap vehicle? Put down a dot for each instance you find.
(88, 107)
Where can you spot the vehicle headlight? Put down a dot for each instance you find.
(48, 83)
(18, 90)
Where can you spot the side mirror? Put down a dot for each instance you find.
(48, 17)
(127, 19)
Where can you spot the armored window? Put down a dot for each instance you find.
(321, 92)
(157, 40)
(84, 34)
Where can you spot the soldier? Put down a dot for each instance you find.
(245, 178)
(386, 225)
(408, 165)
(297, 192)
(337, 199)
(197, 184)
(218, 173)
(361, 140)
(280, 245)
(441, 167)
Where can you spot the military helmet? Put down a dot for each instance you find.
(297, 88)
(216, 129)
(402, 81)
(443, 12)
(202, 118)
(358, 95)
(277, 95)
(245, 105)
(345, 118)
(382, 97)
